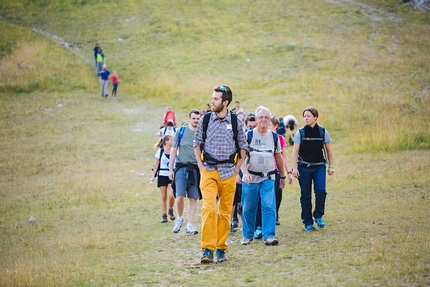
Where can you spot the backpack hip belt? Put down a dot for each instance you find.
(262, 174)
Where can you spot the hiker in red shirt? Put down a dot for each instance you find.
(169, 115)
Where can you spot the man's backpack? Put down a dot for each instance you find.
(321, 138)
(205, 123)
(250, 134)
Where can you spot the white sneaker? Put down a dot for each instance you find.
(178, 224)
(246, 241)
(190, 231)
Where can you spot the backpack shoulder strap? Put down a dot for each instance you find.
(181, 134)
(159, 162)
(249, 136)
(302, 135)
(235, 132)
(275, 141)
(206, 119)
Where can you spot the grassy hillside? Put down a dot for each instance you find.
(80, 164)
(349, 60)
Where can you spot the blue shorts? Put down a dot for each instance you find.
(182, 187)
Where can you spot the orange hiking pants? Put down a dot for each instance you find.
(216, 227)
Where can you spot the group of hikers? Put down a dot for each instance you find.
(103, 73)
(238, 164)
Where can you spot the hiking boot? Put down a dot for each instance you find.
(178, 224)
(220, 256)
(271, 241)
(208, 256)
(164, 218)
(190, 231)
(245, 241)
(309, 227)
(320, 222)
(258, 234)
(235, 223)
(172, 216)
(232, 230)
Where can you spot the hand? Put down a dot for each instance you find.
(290, 178)
(282, 183)
(246, 178)
(238, 179)
(152, 180)
(171, 175)
(296, 173)
(330, 171)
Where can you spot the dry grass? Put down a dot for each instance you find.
(81, 164)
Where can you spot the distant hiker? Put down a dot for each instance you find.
(161, 168)
(311, 143)
(281, 127)
(290, 122)
(96, 50)
(104, 81)
(115, 81)
(236, 106)
(207, 108)
(169, 115)
(100, 59)
(169, 129)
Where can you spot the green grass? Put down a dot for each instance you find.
(81, 164)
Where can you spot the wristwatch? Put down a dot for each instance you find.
(283, 177)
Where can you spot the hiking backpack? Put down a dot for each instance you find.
(321, 138)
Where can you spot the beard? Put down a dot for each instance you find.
(217, 109)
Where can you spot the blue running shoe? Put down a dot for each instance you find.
(309, 227)
(258, 234)
(208, 256)
(320, 222)
(220, 256)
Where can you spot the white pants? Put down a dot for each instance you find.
(104, 84)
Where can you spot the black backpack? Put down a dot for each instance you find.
(205, 123)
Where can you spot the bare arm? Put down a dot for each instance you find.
(330, 156)
(155, 169)
(172, 159)
(197, 153)
(286, 165)
(296, 148)
(280, 163)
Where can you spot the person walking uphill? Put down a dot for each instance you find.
(220, 147)
(186, 175)
(259, 178)
(309, 166)
(104, 81)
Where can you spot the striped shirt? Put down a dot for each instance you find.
(220, 143)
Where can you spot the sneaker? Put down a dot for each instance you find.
(172, 216)
(271, 241)
(164, 218)
(208, 256)
(178, 224)
(232, 230)
(235, 223)
(246, 241)
(220, 256)
(258, 234)
(320, 222)
(190, 231)
(309, 227)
